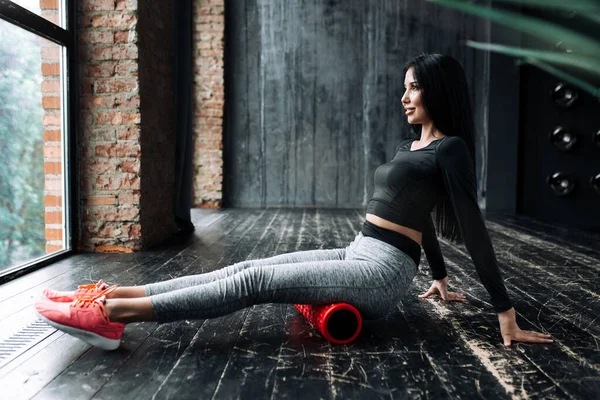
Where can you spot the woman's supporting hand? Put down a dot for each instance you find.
(508, 321)
(511, 331)
(440, 287)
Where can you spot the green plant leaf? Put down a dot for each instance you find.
(589, 9)
(594, 91)
(584, 63)
(544, 30)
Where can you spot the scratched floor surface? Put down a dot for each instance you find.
(423, 349)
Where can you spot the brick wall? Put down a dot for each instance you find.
(109, 126)
(209, 24)
(124, 209)
(127, 121)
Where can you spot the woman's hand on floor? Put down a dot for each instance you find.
(511, 331)
(440, 288)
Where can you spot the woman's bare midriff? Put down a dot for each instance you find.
(385, 224)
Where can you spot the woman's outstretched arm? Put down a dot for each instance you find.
(458, 172)
(432, 250)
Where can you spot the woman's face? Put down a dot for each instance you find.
(411, 101)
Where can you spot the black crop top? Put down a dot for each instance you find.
(408, 187)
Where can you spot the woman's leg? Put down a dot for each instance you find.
(200, 279)
(372, 278)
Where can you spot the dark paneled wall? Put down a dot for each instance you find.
(500, 179)
(313, 93)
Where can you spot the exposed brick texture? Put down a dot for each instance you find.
(127, 146)
(101, 114)
(126, 135)
(209, 27)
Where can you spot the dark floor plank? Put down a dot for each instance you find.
(41, 276)
(552, 291)
(21, 305)
(320, 370)
(185, 376)
(148, 361)
(27, 379)
(528, 309)
(331, 231)
(263, 235)
(51, 347)
(149, 390)
(555, 293)
(466, 346)
(85, 376)
(585, 242)
(539, 251)
(261, 334)
(19, 310)
(90, 270)
(27, 315)
(425, 349)
(390, 351)
(315, 231)
(134, 348)
(357, 374)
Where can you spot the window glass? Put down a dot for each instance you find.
(32, 147)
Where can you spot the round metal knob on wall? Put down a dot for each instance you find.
(562, 139)
(564, 96)
(561, 184)
(595, 182)
(596, 138)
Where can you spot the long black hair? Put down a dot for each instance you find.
(445, 98)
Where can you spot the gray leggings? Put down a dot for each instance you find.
(369, 274)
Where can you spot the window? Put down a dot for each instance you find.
(36, 140)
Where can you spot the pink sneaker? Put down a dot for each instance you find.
(85, 318)
(91, 289)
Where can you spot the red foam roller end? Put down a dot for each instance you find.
(339, 323)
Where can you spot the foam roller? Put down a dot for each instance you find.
(339, 323)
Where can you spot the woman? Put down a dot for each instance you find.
(433, 173)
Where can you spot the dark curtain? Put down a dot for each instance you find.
(183, 114)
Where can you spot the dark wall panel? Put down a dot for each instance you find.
(313, 93)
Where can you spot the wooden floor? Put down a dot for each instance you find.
(423, 349)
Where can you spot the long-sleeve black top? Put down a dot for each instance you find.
(408, 187)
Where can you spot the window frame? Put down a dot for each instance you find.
(66, 37)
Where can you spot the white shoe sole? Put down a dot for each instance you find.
(86, 336)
